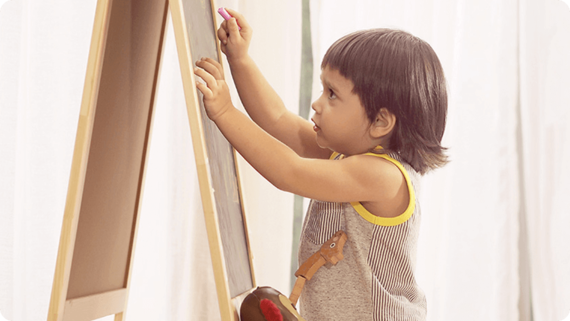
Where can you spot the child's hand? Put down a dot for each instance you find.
(216, 93)
(234, 42)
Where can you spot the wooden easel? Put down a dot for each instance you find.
(98, 236)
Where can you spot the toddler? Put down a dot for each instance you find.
(377, 127)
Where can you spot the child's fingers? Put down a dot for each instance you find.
(209, 60)
(234, 29)
(208, 78)
(204, 90)
(240, 18)
(211, 66)
(223, 32)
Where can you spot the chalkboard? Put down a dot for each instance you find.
(203, 43)
(215, 158)
(100, 222)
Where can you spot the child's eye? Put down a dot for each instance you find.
(332, 95)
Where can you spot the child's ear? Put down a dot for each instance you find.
(384, 123)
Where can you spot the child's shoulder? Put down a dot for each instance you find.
(381, 172)
(382, 167)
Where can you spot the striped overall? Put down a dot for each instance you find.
(375, 281)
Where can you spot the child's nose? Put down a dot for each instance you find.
(315, 106)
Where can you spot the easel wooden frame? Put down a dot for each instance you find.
(70, 301)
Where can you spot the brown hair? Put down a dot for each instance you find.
(395, 70)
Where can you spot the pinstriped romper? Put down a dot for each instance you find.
(375, 281)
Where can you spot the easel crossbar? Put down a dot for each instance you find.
(95, 306)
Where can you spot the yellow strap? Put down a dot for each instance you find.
(387, 221)
(390, 221)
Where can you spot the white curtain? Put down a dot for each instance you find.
(493, 219)
(43, 50)
(545, 123)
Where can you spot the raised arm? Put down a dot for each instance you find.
(260, 100)
(362, 178)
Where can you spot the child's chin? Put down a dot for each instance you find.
(321, 143)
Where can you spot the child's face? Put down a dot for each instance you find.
(340, 119)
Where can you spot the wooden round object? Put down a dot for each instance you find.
(251, 307)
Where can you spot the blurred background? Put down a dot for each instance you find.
(496, 220)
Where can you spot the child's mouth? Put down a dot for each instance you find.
(316, 128)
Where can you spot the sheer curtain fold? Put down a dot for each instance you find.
(42, 47)
(545, 122)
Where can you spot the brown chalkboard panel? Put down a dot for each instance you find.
(107, 175)
(119, 143)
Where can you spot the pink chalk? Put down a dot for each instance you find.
(226, 15)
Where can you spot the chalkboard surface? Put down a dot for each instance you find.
(201, 31)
